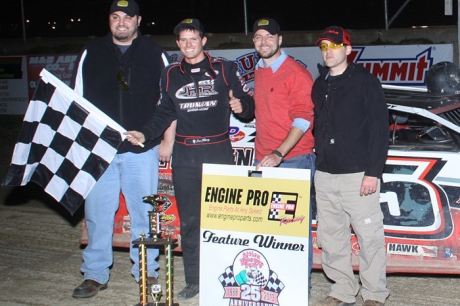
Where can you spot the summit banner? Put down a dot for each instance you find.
(403, 65)
(254, 236)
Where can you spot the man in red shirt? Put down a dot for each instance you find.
(284, 109)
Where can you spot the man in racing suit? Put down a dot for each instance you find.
(199, 92)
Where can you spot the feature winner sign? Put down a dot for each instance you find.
(254, 236)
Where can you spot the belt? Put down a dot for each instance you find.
(201, 140)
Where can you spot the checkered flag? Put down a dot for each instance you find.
(274, 284)
(273, 214)
(287, 207)
(65, 144)
(167, 203)
(257, 277)
(227, 279)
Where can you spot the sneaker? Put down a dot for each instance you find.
(332, 301)
(372, 303)
(188, 292)
(88, 288)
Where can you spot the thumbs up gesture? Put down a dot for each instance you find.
(235, 103)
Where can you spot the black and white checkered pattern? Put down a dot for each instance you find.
(62, 147)
(273, 214)
(257, 277)
(227, 279)
(276, 197)
(274, 284)
(167, 203)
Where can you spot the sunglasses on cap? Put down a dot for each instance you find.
(332, 45)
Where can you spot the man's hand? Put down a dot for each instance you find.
(135, 137)
(368, 186)
(165, 152)
(167, 144)
(235, 103)
(270, 160)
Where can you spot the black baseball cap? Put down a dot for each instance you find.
(268, 24)
(130, 7)
(335, 34)
(189, 22)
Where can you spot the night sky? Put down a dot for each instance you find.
(219, 16)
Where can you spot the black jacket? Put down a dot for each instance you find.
(351, 122)
(97, 81)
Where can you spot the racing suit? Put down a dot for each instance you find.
(198, 97)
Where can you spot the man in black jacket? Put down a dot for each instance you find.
(120, 75)
(351, 143)
(200, 92)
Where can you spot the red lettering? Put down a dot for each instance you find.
(247, 62)
(398, 71)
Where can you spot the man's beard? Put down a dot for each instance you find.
(125, 36)
(119, 37)
(270, 54)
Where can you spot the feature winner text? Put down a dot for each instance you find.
(262, 241)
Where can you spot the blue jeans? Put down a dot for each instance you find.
(136, 175)
(306, 161)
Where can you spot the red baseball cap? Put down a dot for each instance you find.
(335, 34)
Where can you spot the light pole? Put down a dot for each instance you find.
(246, 18)
(23, 21)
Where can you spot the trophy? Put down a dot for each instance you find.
(156, 240)
(156, 294)
(155, 214)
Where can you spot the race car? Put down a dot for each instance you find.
(427, 117)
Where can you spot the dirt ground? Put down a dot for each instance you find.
(40, 256)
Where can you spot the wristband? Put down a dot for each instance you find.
(278, 153)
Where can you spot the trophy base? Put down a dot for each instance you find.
(159, 304)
